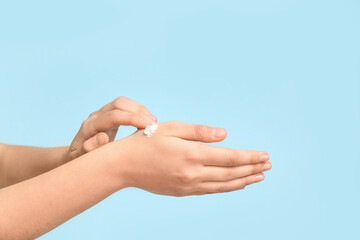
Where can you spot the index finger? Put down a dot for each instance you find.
(111, 119)
(220, 156)
(124, 104)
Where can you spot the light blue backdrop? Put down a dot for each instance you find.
(281, 76)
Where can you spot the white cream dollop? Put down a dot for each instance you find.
(150, 129)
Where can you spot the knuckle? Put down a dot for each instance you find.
(221, 188)
(242, 186)
(187, 177)
(118, 102)
(229, 174)
(93, 114)
(85, 124)
(193, 152)
(114, 114)
(247, 156)
(142, 109)
(247, 181)
(201, 131)
(171, 125)
(257, 168)
(121, 99)
(111, 117)
(253, 156)
(232, 158)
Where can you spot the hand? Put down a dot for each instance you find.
(171, 163)
(101, 126)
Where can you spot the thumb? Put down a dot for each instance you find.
(194, 132)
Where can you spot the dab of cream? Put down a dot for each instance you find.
(149, 130)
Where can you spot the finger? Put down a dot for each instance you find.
(225, 157)
(111, 119)
(211, 173)
(94, 142)
(125, 104)
(237, 184)
(195, 132)
(192, 193)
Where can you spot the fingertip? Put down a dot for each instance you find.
(267, 166)
(153, 118)
(148, 115)
(143, 122)
(259, 177)
(102, 139)
(225, 133)
(219, 133)
(264, 156)
(141, 126)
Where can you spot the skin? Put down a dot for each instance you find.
(173, 161)
(18, 163)
(101, 126)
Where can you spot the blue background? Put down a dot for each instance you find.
(281, 76)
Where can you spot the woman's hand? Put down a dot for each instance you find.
(171, 163)
(101, 126)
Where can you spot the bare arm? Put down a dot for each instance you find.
(168, 163)
(18, 163)
(33, 207)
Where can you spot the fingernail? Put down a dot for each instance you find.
(264, 158)
(219, 132)
(100, 140)
(259, 178)
(146, 120)
(266, 166)
(153, 118)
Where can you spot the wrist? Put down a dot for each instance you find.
(64, 154)
(112, 155)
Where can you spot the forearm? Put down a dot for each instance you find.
(35, 206)
(18, 163)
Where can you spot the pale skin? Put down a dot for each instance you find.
(66, 181)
